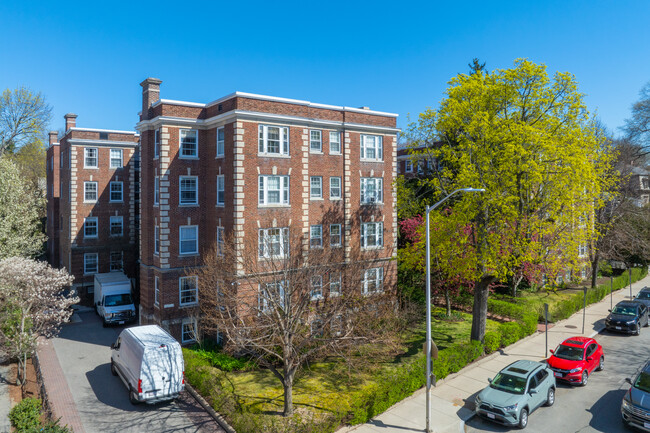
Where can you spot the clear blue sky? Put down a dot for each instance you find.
(89, 57)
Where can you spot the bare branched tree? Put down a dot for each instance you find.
(24, 116)
(284, 302)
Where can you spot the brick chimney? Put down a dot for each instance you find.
(150, 94)
(54, 137)
(70, 121)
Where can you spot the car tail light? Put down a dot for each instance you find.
(139, 386)
(183, 378)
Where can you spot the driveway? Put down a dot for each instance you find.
(102, 401)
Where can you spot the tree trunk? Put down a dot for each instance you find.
(479, 310)
(594, 269)
(448, 302)
(288, 391)
(516, 281)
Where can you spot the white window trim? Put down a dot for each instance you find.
(156, 240)
(86, 149)
(338, 280)
(111, 261)
(86, 189)
(91, 219)
(180, 191)
(311, 189)
(335, 197)
(311, 237)
(110, 227)
(110, 192)
(221, 179)
(189, 321)
(264, 242)
(285, 144)
(180, 240)
(338, 135)
(313, 296)
(111, 158)
(264, 296)
(156, 190)
(408, 166)
(220, 240)
(263, 194)
(156, 291)
(378, 279)
(222, 142)
(379, 153)
(379, 191)
(156, 143)
(86, 256)
(180, 144)
(319, 141)
(379, 235)
(196, 290)
(340, 236)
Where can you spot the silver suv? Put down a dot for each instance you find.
(515, 392)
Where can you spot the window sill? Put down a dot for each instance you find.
(116, 236)
(273, 155)
(372, 248)
(316, 198)
(336, 153)
(220, 205)
(374, 203)
(371, 160)
(316, 298)
(183, 255)
(87, 274)
(91, 168)
(220, 157)
(315, 247)
(336, 198)
(90, 202)
(90, 237)
(116, 168)
(193, 158)
(316, 152)
(274, 206)
(116, 201)
(156, 204)
(336, 246)
(271, 258)
(194, 304)
(188, 205)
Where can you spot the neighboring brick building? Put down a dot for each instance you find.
(245, 166)
(92, 211)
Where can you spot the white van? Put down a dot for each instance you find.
(113, 300)
(150, 363)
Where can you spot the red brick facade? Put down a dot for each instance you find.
(71, 203)
(241, 165)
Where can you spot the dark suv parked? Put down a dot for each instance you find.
(635, 408)
(627, 316)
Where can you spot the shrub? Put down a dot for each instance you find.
(492, 341)
(26, 415)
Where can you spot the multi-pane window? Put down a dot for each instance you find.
(90, 157)
(221, 190)
(116, 191)
(188, 190)
(189, 239)
(90, 191)
(373, 280)
(136, 191)
(220, 141)
(117, 226)
(335, 142)
(335, 283)
(316, 236)
(273, 140)
(188, 290)
(372, 235)
(408, 166)
(371, 190)
(156, 291)
(271, 295)
(189, 143)
(316, 140)
(335, 235)
(220, 241)
(156, 143)
(117, 259)
(116, 158)
(316, 287)
(335, 187)
(188, 330)
(156, 190)
(273, 190)
(90, 227)
(156, 240)
(582, 250)
(316, 187)
(274, 243)
(371, 147)
(91, 263)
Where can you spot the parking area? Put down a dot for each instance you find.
(101, 399)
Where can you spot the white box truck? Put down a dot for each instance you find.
(113, 300)
(150, 363)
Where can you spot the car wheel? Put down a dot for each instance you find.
(638, 329)
(113, 370)
(601, 363)
(523, 418)
(585, 378)
(104, 324)
(133, 398)
(550, 397)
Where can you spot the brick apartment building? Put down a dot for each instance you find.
(92, 195)
(249, 166)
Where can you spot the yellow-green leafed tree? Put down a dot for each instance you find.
(528, 139)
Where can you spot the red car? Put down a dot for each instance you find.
(576, 358)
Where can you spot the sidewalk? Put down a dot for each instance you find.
(452, 400)
(5, 402)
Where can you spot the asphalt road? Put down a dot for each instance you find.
(83, 349)
(595, 407)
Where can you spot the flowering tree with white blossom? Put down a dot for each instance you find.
(33, 303)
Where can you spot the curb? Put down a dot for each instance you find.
(217, 417)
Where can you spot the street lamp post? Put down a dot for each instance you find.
(428, 297)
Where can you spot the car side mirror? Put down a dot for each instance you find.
(533, 391)
(609, 310)
(489, 379)
(552, 351)
(99, 303)
(589, 358)
(628, 380)
(112, 346)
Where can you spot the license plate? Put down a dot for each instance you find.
(121, 322)
(617, 327)
(491, 416)
(557, 374)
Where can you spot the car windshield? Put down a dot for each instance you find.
(568, 352)
(642, 382)
(625, 310)
(117, 300)
(643, 295)
(509, 383)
